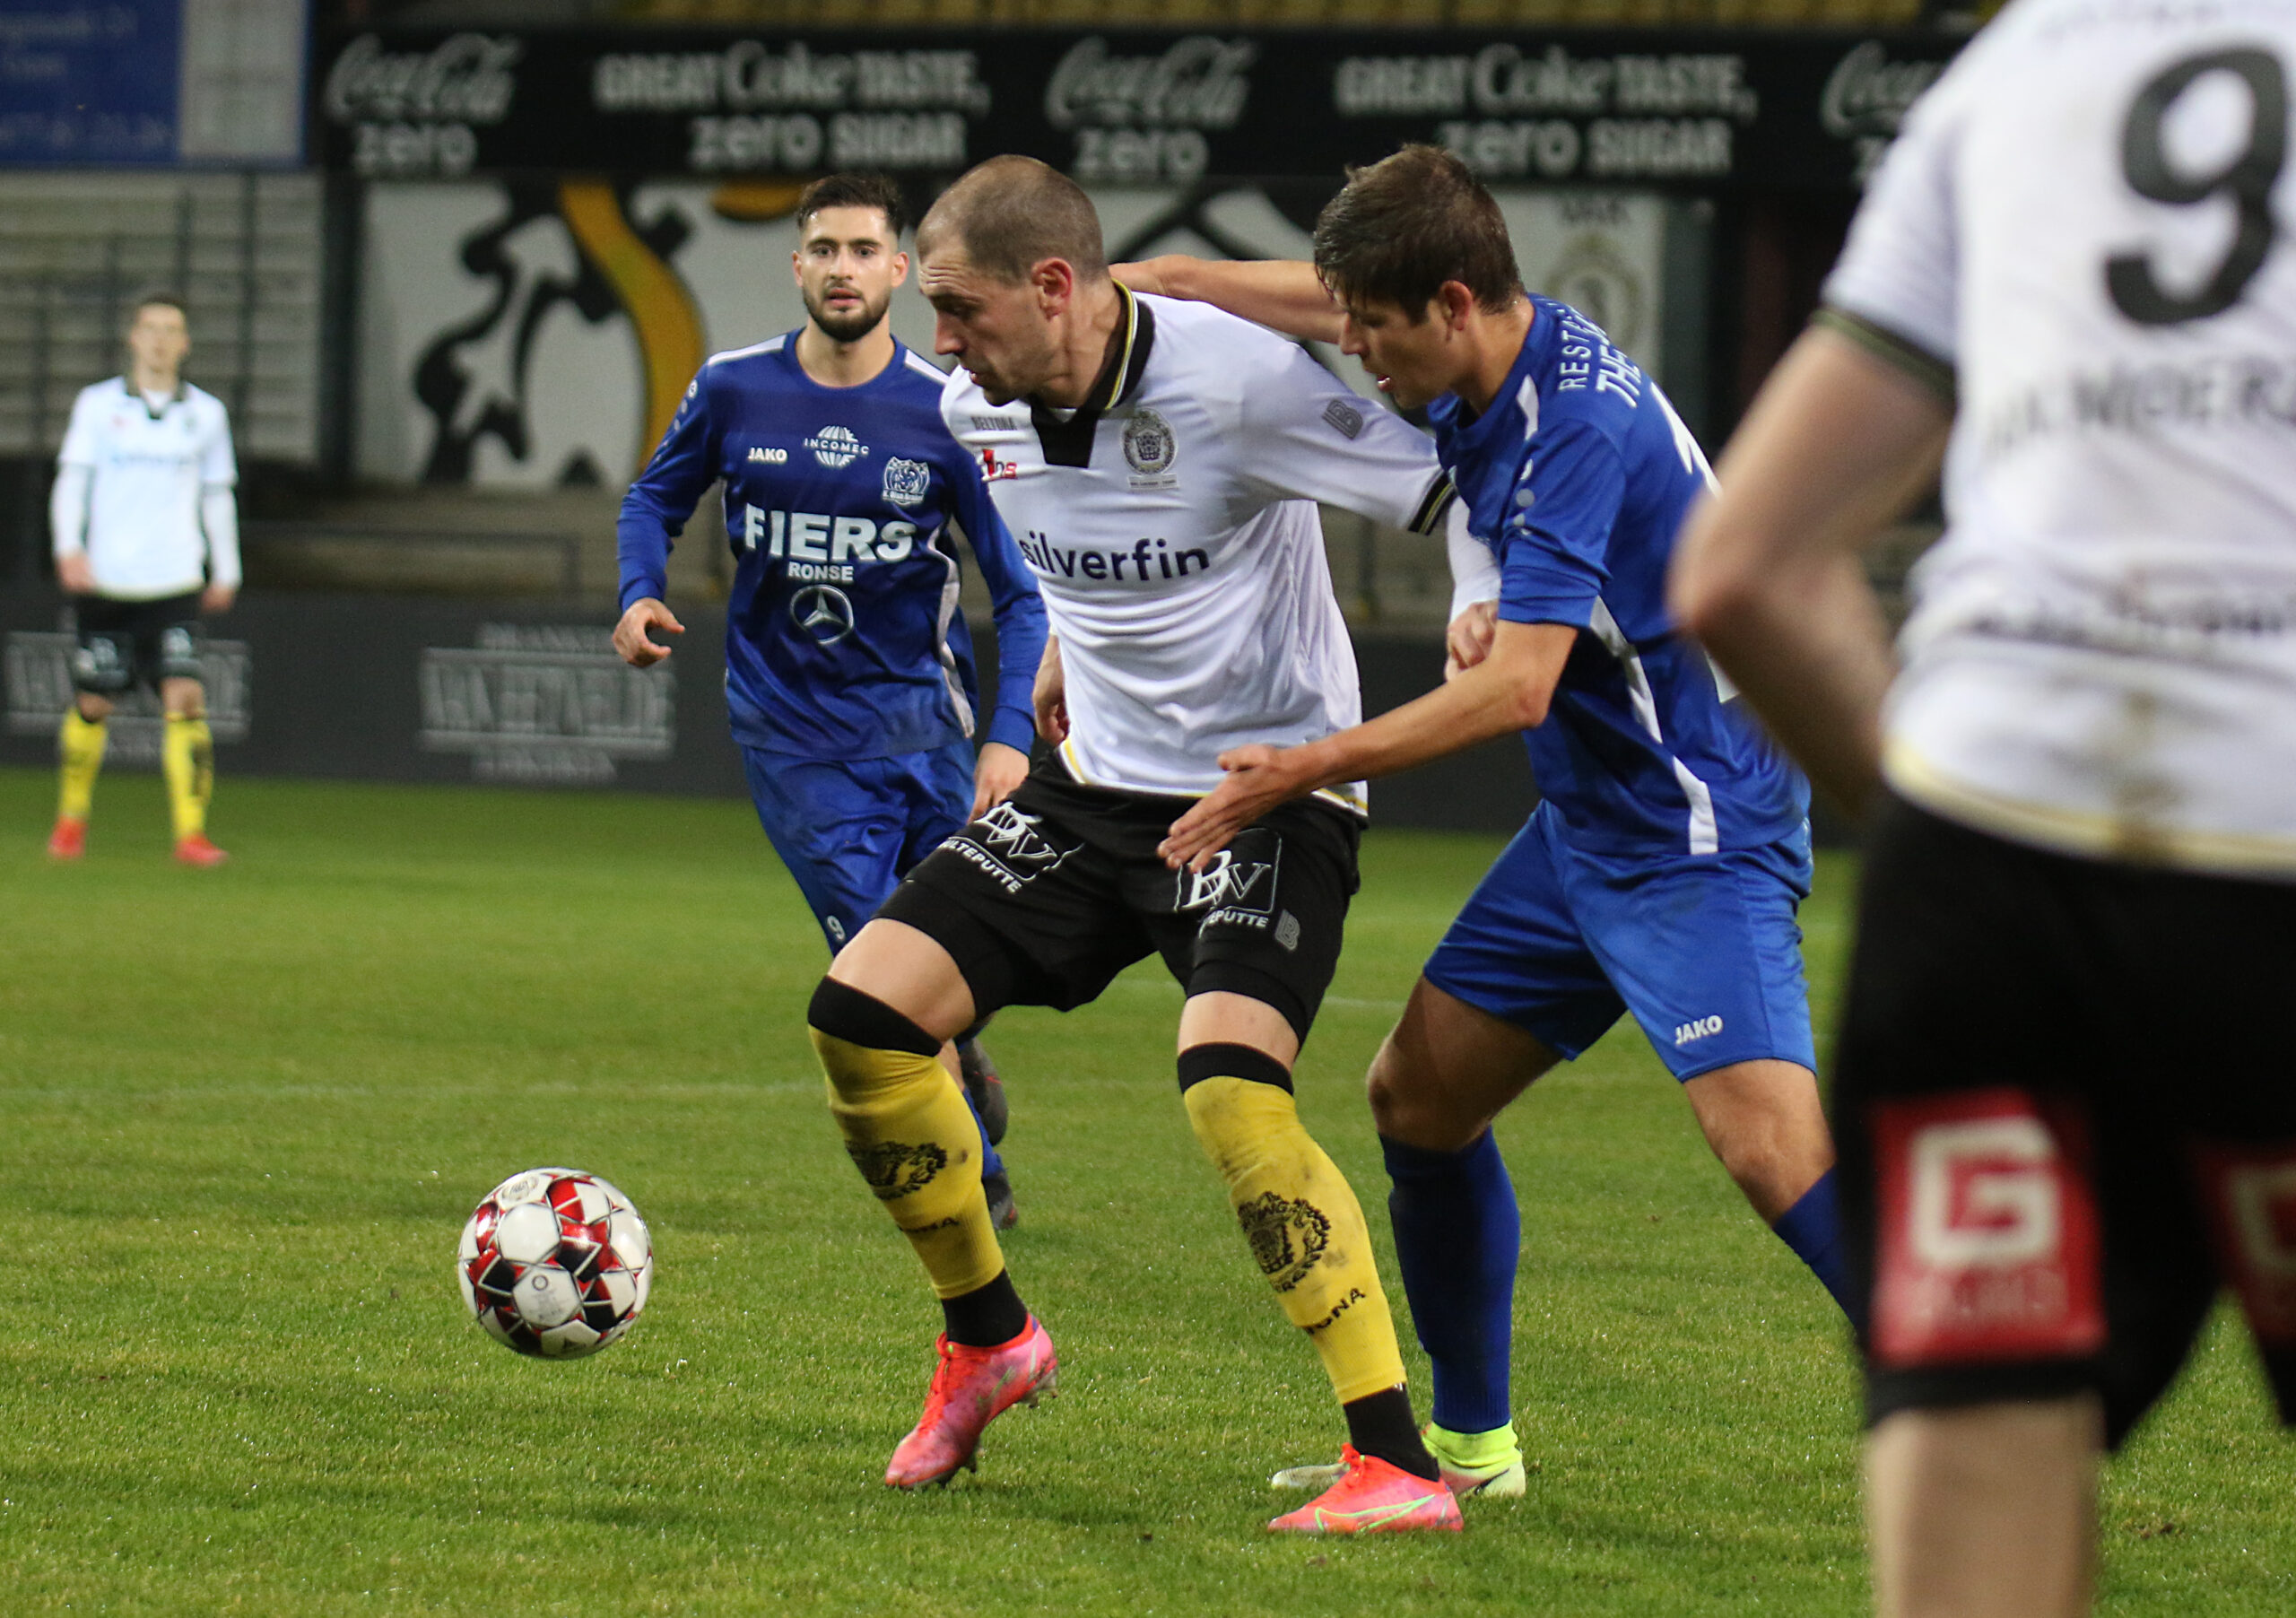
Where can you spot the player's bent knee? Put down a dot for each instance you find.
(849, 1028)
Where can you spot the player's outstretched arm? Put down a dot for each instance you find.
(1509, 690)
(1838, 443)
(1283, 294)
(632, 637)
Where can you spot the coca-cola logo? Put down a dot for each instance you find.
(1198, 83)
(1867, 95)
(467, 79)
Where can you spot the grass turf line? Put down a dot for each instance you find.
(248, 1109)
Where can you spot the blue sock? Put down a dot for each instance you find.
(1457, 1235)
(990, 1163)
(1812, 1227)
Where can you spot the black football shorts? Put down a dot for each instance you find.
(1044, 900)
(2066, 1112)
(125, 644)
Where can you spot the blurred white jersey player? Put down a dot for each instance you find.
(146, 538)
(2065, 1104)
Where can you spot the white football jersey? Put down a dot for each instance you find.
(1172, 527)
(2079, 233)
(144, 538)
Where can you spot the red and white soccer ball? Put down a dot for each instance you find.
(555, 1263)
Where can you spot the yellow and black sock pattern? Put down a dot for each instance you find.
(80, 754)
(908, 1131)
(1298, 1211)
(187, 758)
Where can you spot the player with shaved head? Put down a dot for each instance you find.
(1159, 463)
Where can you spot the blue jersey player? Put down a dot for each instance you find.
(1662, 870)
(848, 668)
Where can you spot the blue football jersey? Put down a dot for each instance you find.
(1578, 477)
(842, 635)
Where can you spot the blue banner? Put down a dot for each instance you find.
(89, 80)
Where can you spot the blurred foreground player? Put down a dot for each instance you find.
(147, 539)
(1661, 872)
(2066, 1106)
(850, 670)
(1159, 459)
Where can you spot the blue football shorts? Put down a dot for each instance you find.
(849, 829)
(1702, 948)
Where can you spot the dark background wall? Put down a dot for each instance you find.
(385, 688)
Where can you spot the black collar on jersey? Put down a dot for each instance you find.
(1069, 443)
(174, 399)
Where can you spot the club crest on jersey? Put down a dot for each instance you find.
(823, 611)
(1150, 448)
(907, 482)
(836, 446)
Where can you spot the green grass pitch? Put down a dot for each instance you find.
(247, 1111)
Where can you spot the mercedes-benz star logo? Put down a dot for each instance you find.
(823, 611)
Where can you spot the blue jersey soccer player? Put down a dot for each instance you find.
(848, 668)
(1662, 871)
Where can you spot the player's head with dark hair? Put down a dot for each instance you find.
(159, 336)
(1012, 213)
(878, 191)
(1417, 254)
(1011, 261)
(848, 258)
(157, 298)
(1403, 226)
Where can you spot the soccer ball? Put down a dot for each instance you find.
(555, 1263)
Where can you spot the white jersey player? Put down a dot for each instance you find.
(2063, 1102)
(1185, 578)
(1156, 464)
(147, 537)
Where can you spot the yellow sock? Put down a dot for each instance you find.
(79, 754)
(908, 1131)
(187, 756)
(1305, 1227)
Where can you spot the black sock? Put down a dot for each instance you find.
(1380, 1424)
(990, 1314)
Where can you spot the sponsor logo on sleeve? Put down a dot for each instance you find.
(1344, 418)
(907, 482)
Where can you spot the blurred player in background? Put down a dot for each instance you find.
(147, 539)
(1661, 872)
(2067, 1106)
(849, 668)
(1161, 460)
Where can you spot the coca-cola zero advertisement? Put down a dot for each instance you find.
(1644, 108)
